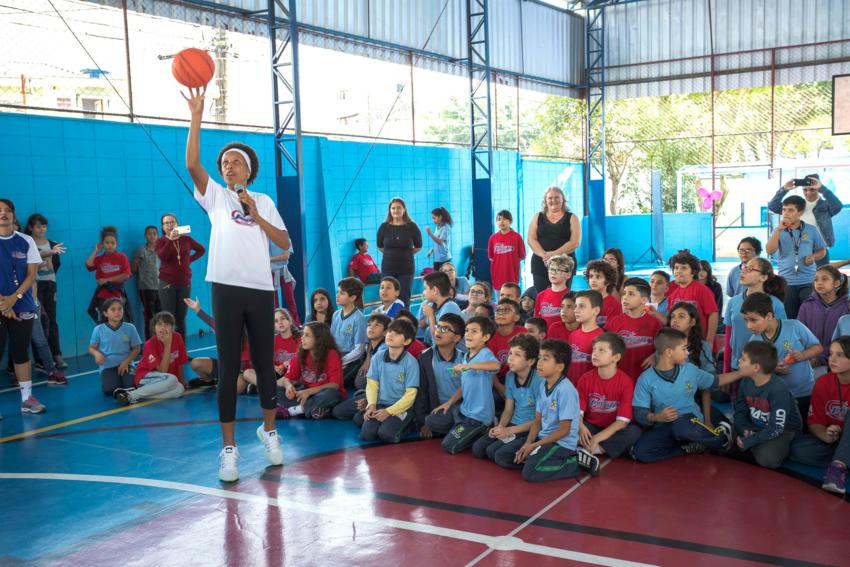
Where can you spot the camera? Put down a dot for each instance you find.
(804, 182)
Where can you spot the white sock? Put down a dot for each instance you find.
(26, 390)
(296, 410)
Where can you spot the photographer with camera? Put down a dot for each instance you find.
(176, 251)
(821, 206)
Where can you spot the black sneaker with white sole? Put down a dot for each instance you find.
(588, 461)
(122, 396)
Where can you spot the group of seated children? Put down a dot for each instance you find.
(549, 380)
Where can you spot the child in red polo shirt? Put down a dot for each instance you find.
(548, 303)
(506, 250)
(687, 289)
(362, 266)
(602, 277)
(111, 268)
(507, 315)
(605, 398)
(636, 327)
(160, 372)
(588, 305)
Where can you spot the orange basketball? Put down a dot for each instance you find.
(193, 67)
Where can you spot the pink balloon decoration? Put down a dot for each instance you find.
(708, 198)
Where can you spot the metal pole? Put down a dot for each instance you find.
(127, 55)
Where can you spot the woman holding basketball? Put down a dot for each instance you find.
(242, 291)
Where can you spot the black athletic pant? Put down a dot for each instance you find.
(171, 297)
(234, 308)
(150, 307)
(19, 333)
(47, 297)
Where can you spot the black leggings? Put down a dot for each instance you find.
(20, 335)
(234, 308)
(171, 298)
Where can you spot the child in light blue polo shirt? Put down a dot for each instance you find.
(521, 390)
(474, 416)
(796, 246)
(551, 450)
(391, 387)
(437, 292)
(440, 252)
(114, 345)
(348, 325)
(796, 346)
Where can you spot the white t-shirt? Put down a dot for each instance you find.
(239, 249)
(809, 214)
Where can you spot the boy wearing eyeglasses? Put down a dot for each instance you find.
(548, 303)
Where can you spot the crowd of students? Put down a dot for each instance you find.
(546, 380)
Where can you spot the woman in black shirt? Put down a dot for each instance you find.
(552, 232)
(399, 239)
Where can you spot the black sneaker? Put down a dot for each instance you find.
(588, 461)
(122, 396)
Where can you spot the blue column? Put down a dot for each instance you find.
(595, 236)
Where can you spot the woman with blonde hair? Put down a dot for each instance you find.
(552, 232)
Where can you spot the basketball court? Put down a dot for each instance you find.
(91, 484)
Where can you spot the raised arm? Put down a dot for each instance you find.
(199, 175)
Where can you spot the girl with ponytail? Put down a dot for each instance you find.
(821, 311)
(441, 235)
(756, 276)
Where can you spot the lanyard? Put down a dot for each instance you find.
(796, 243)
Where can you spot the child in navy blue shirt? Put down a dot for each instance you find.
(114, 345)
(795, 344)
(348, 326)
(391, 387)
(474, 416)
(766, 416)
(521, 386)
(550, 451)
(664, 399)
(796, 246)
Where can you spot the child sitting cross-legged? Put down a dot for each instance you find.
(114, 344)
(437, 292)
(472, 418)
(828, 442)
(160, 372)
(605, 398)
(521, 386)
(766, 416)
(550, 451)
(437, 381)
(664, 399)
(376, 330)
(313, 382)
(391, 387)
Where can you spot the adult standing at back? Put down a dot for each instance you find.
(176, 253)
(552, 232)
(821, 206)
(241, 225)
(399, 239)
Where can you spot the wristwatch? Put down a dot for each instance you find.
(19, 296)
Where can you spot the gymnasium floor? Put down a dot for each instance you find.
(89, 483)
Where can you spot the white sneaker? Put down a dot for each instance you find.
(726, 432)
(271, 442)
(227, 470)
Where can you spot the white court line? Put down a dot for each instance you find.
(502, 543)
(78, 374)
(532, 519)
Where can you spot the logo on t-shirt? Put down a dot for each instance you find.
(836, 410)
(599, 403)
(503, 249)
(633, 340)
(549, 310)
(108, 267)
(400, 377)
(578, 355)
(552, 404)
(241, 218)
(18, 255)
